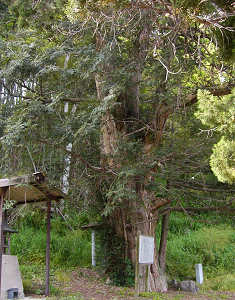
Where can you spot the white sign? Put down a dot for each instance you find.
(199, 273)
(146, 249)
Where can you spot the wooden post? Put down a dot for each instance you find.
(141, 271)
(1, 240)
(137, 287)
(93, 262)
(9, 244)
(144, 258)
(147, 272)
(47, 288)
(4, 234)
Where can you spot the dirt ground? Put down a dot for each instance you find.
(90, 285)
(87, 284)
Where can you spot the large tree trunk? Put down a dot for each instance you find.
(132, 216)
(128, 222)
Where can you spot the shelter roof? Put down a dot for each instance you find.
(28, 188)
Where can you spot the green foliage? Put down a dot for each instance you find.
(52, 51)
(67, 248)
(213, 247)
(226, 40)
(34, 280)
(196, 5)
(111, 258)
(223, 160)
(219, 114)
(180, 225)
(222, 282)
(28, 286)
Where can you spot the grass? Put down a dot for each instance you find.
(224, 282)
(214, 247)
(62, 276)
(34, 282)
(68, 250)
(160, 296)
(76, 296)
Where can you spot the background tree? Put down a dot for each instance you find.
(219, 114)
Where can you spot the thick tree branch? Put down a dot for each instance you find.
(228, 209)
(164, 111)
(192, 99)
(165, 211)
(200, 187)
(159, 203)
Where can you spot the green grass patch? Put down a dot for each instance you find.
(76, 296)
(214, 247)
(222, 282)
(69, 250)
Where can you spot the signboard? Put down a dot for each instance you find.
(199, 273)
(146, 249)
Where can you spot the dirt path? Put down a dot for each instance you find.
(90, 286)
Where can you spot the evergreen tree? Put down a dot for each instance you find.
(219, 114)
(126, 71)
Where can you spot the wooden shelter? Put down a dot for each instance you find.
(28, 189)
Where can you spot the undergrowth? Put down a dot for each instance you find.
(71, 249)
(111, 258)
(188, 244)
(214, 247)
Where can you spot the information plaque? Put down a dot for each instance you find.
(146, 250)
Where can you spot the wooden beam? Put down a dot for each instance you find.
(29, 188)
(36, 201)
(1, 240)
(15, 180)
(47, 288)
(36, 178)
(1, 234)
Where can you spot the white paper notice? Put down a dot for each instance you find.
(146, 249)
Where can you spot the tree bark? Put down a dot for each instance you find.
(130, 220)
